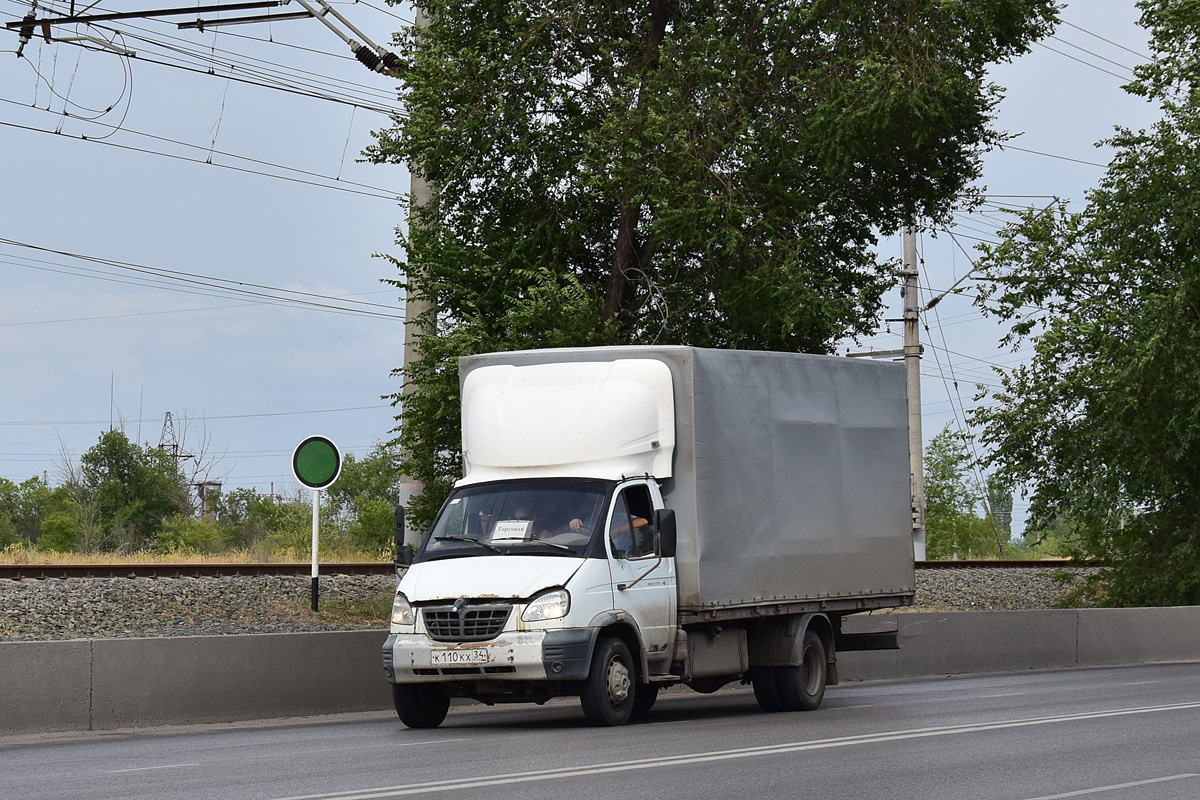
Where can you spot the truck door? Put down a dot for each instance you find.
(643, 583)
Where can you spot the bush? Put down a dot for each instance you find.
(182, 534)
(59, 532)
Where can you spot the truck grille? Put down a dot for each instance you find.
(468, 624)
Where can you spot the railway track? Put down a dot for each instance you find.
(40, 571)
(34, 571)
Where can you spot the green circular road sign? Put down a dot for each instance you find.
(316, 462)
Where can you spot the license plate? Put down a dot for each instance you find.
(450, 658)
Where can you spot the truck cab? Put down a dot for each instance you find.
(516, 583)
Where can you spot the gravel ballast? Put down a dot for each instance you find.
(93, 608)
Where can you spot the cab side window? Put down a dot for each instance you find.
(629, 529)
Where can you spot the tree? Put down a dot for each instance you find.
(712, 173)
(1103, 421)
(952, 528)
(9, 494)
(365, 495)
(132, 488)
(25, 507)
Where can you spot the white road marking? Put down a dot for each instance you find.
(1114, 787)
(724, 755)
(174, 766)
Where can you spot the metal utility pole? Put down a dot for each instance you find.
(418, 321)
(169, 443)
(912, 363)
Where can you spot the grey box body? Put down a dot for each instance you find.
(791, 473)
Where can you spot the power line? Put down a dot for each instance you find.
(83, 138)
(201, 418)
(1050, 155)
(1106, 41)
(1081, 61)
(187, 55)
(224, 287)
(1093, 54)
(131, 315)
(367, 189)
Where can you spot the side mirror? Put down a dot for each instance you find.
(664, 523)
(404, 554)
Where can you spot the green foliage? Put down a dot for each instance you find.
(245, 518)
(952, 528)
(182, 534)
(363, 499)
(371, 527)
(129, 498)
(712, 174)
(8, 533)
(1103, 420)
(60, 532)
(22, 508)
(132, 488)
(9, 499)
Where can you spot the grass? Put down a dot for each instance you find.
(20, 554)
(356, 613)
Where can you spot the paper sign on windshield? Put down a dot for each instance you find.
(511, 529)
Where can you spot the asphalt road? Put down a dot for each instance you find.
(1129, 733)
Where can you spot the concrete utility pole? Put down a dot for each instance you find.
(912, 362)
(418, 321)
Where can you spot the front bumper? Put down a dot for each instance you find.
(559, 655)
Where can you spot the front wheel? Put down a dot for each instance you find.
(802, 688)
(608, 693)
(420, 706)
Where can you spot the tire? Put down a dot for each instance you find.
(610, 688)
(420, 706)
(644, 697)
(766, 690)
(802, 688)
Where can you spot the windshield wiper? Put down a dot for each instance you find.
(550, 544)
(496, 550)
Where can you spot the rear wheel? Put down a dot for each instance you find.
(420, 706)
(801, 688)
(644, 697)
(766, 689)
(608, 693)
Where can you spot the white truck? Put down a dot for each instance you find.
(630, 518)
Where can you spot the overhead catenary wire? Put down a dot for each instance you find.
(176, 52)
(190, 282)
(1093, 54)
(334, 182)
(201, 417)
(334, 185)
(960, 421)
(1137, 53)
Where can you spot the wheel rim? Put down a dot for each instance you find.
(618, 682)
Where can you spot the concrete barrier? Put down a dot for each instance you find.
(106, 684)
(1011, 641)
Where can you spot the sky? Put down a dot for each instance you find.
(196, 234)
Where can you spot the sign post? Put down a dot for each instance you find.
(316, 463)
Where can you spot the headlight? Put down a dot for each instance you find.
(402, 611)
(550, 605)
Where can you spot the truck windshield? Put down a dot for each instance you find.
(550, 517)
